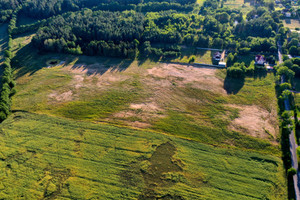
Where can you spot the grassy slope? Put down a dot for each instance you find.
(204, 121)
(69, 147)
(63, 159)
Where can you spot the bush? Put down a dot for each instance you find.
(291, 171)
(245, 51)
(285, 57)
(284, 86)
(237, 70)
(7, 54)
(192, 59)
(250, 70)
(171, 54)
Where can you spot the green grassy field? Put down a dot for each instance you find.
(55, 145)
(291, 23)
(191, 112)
(52, 158)
(202, 56)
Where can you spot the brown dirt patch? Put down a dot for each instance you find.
(95, 75)
(256, 122)
(150, 107)
(184, 74)
(140, 115)
(63, 97)
(78, 81)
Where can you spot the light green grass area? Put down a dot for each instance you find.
(52, 158)
(291, 23)
(207, 120)
(202, 56)
(258, 90)
(191, 113)
(188, 111)
(244, 5)
(200, 2)
(247, 59)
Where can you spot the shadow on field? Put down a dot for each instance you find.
(25, 61)
(233, 85)
(142, 59)
(99, 65)
(29, 60)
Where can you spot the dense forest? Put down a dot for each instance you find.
(79, 32)
(46, 8)
(120, 28)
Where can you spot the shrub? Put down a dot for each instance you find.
(291, 171)
(192, 59)
(237, 70)
(284, 86)
(7, 54)
(250, 70)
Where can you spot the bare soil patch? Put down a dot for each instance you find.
(95, 75)
(256, 122)
(161, 82)
(202, 78)
(63, 97)
(140, 115)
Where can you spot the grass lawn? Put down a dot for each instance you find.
(291, 23)
(200, 2)
(247, 59)
(96, 93)
(207, 121)
(53, 158)
(202, 56)
(244, 5)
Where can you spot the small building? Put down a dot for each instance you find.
(222, 64)
(217, 56)
(269, 68)
(260, 60)
(288, 14)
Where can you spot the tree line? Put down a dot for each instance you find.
(116, 31)
(8, 83)
(41, 9)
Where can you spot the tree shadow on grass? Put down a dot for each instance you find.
(259, 74)
(96, 65)
(233, 85)
(142, 59)
(29, 60)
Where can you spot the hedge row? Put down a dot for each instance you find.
(8, 82)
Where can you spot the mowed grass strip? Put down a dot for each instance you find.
(48, 157)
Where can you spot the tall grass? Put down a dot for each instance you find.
(47, 157)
